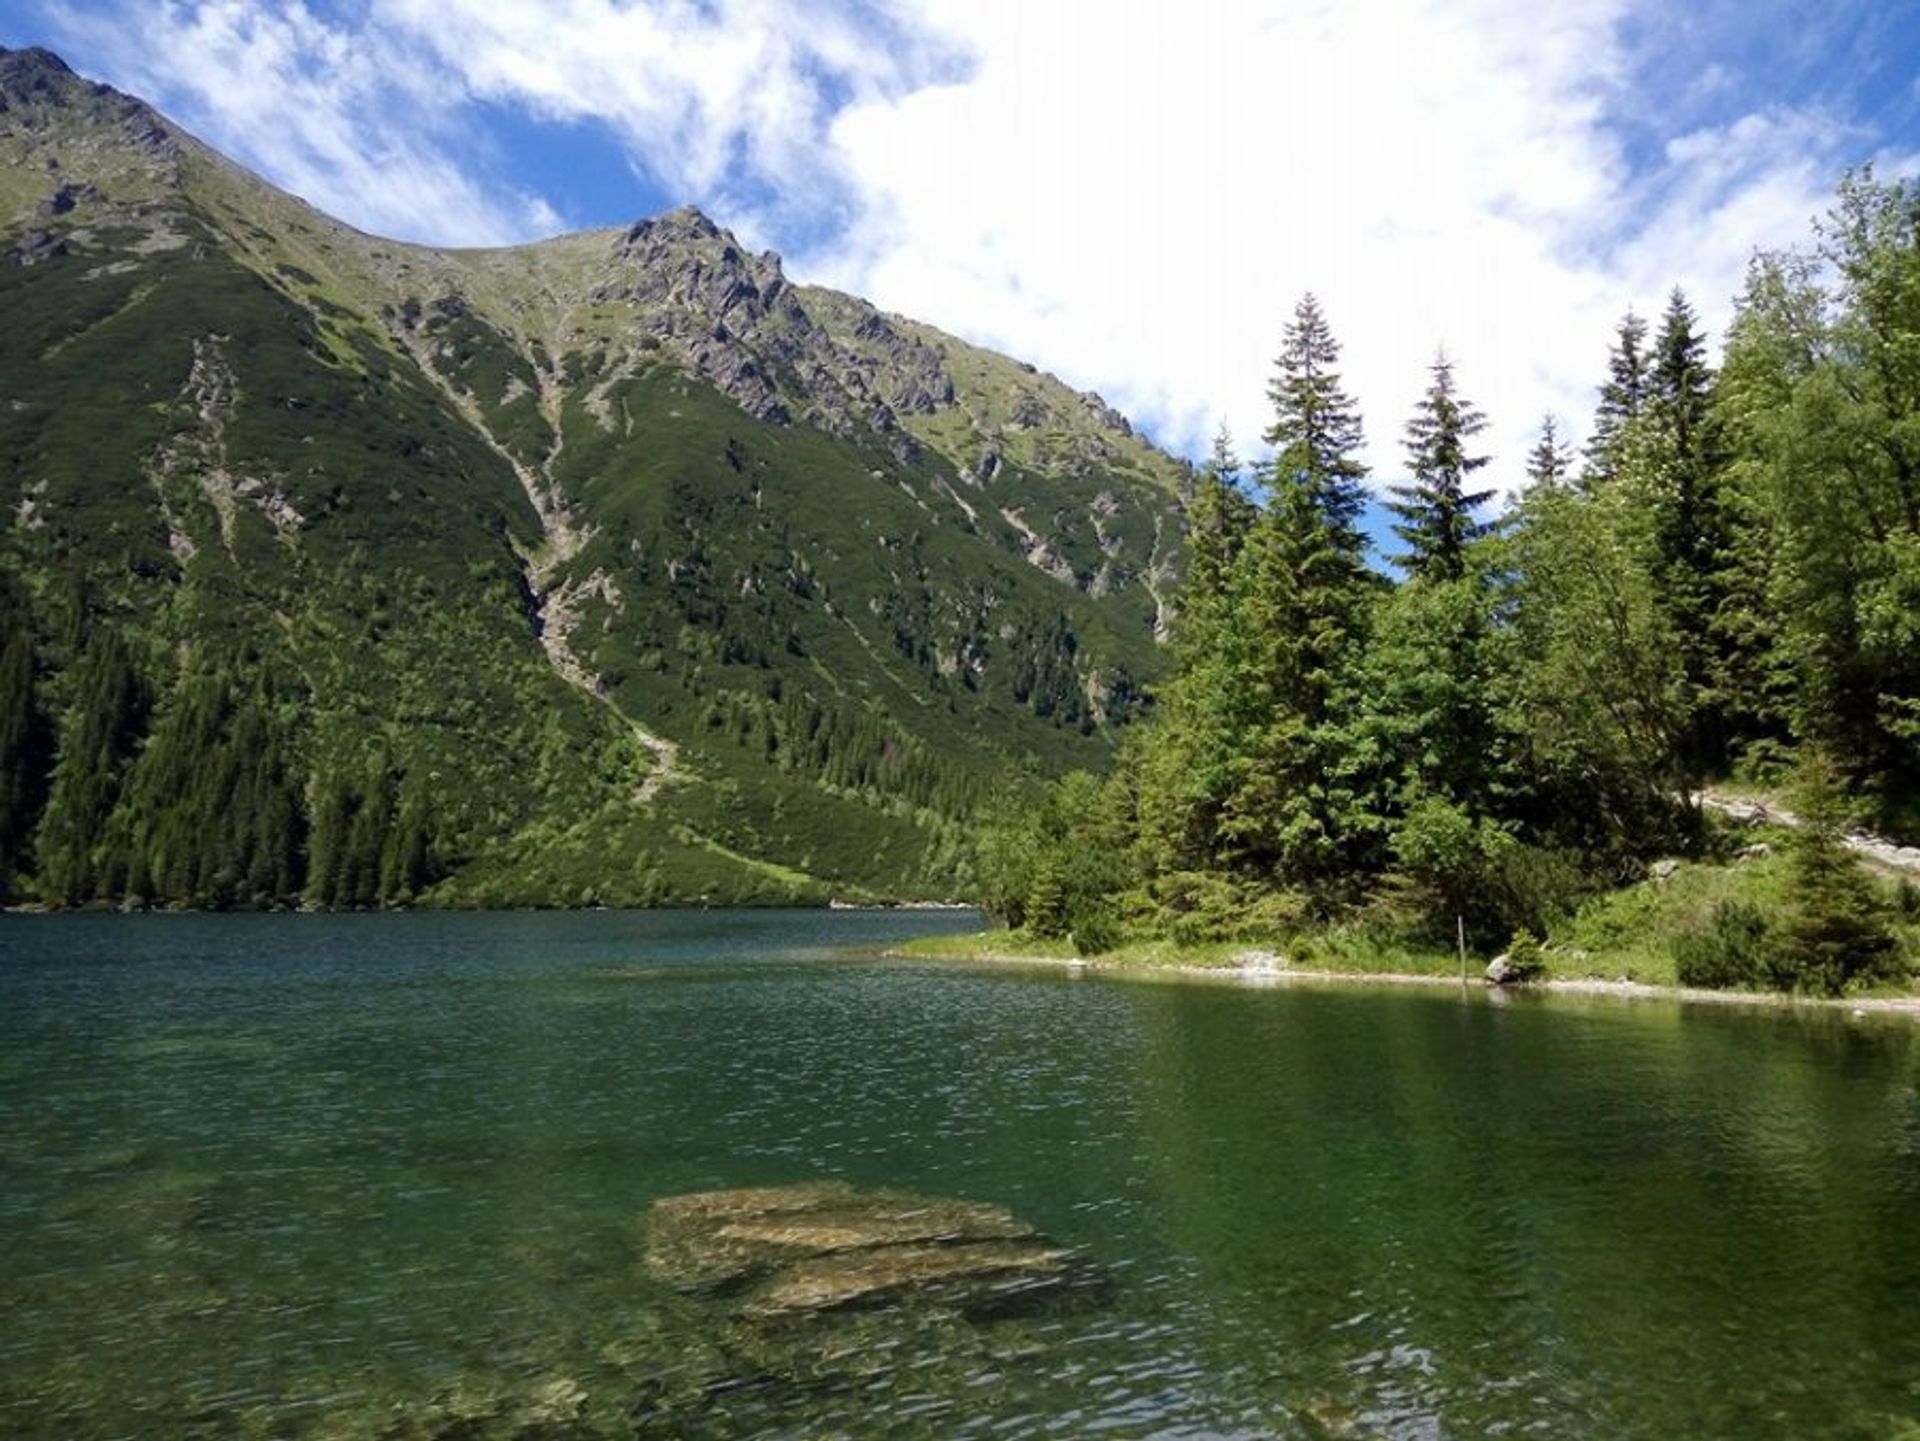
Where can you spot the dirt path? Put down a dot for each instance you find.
(1878, 849)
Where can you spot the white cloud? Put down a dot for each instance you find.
(317, 110)
(1139, 201)
(1130, 193)
(709, 96)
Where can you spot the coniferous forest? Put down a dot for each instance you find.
(1722, 585)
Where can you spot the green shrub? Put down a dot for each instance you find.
(1095, 930)
(1906, 902)
(1735, 950)
(1837, 931)
(1197, 906)
(1526, 956)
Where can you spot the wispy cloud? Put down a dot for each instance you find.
(362, 133)
(1132, 194)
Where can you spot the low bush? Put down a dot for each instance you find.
(1095, 930)
(1526, 957)
(1733, 951)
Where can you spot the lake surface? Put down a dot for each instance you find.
(361, 1176)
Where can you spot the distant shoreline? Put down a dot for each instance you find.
(1264, 973)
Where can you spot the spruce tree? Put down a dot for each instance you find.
(1692, 528)
(25, 758)
(1301, 595)
(1550, 462)
(98, 736)
(1681, 384)
(1621, 399)
(1837, 931)
(1316, 432)
(1217, 527)
(1437, 511)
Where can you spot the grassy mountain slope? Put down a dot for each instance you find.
(610, 569)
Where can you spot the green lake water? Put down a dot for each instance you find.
(365, 1176)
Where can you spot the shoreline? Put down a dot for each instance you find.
(1266, 975)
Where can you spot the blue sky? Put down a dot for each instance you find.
(1129, 193)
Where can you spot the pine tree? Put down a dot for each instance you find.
(1218, 523)
(1437, 510)
(1837, 932)
(1692, 527)
(1621, 399)
(1681, 385)
(1316, 432)
(101, 730)
(25, 756)
(1550, 462)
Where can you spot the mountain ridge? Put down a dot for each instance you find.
(815, 575)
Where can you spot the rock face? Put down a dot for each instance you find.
(788, 1250)
(733, 319)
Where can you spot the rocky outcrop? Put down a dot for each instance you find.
(34, 77)
(733, 319)
(37, 89)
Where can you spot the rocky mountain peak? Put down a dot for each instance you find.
(39, 90)
(33, 75)
(682, 256)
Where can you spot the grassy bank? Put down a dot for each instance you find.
(1621, 937)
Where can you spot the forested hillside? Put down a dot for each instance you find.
(615, 569)
(1723, 582)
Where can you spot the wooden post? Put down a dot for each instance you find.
(1460, 927)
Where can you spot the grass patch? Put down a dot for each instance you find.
(1624, 935)
(1629, 934)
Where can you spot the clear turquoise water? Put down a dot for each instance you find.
(366, 1175)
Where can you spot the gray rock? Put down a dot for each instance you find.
(1501, 971)
(66, 197)
(1758, 851)
(1260, 962)
(1663, 870)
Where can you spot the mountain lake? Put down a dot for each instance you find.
(736, 1174)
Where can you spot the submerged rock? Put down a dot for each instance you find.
(823, 1246)
(773, 1293)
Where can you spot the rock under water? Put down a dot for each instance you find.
(823, 1246)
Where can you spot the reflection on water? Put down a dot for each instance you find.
(388, 1176)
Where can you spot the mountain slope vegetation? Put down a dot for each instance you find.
(612, 569)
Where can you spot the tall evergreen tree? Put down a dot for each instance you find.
(1621, 398)
(1302, 589)
(1680, 387)
(98, 736)
(1217, 526)
(25, 757)
(1296, 623)
(1437, 511)
(1316, 432)
(1692, 528)
(1550, 462)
